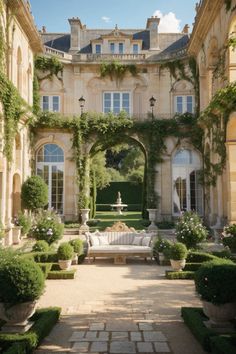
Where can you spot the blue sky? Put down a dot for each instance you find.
(107, 13)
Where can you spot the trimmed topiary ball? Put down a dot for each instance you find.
(215, 281)
(41, 246)
(178, 251)
(65, 251)
(34, 193)
(21, 280)
(77, 245)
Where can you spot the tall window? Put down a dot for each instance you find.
(121, 48)
(184, 104)
(135, 49)
(112, 48)
(98, 49)
(50, 166)
(116, 102)
(50, 103)
(187, 190)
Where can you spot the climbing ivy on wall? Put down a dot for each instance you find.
(12, 103)
(184, 69)
(214, 119)
(108, 130)
(117, 71)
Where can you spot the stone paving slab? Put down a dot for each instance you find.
(122, 347)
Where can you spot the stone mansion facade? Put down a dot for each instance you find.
(82, 51)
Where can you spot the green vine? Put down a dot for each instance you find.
(109, 130)
(185, 69)
(50, 65)
(116, 70)
(214, 119)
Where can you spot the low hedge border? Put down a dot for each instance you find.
(44, 321)
(192, 266)
(45, 267)
(41, 257)
(223, 344)
(170, 274)
(61, 274)
(193, 318)
(199, 257)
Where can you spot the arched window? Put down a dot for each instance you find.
(187, 190)
(50, 166)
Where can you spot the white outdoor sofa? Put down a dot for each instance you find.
(119, 244)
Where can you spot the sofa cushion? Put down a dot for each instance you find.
(119, 249)
(94, 240)
(137, 240)
(146, 241)
(103, 240)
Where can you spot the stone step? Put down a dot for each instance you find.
(72, 231)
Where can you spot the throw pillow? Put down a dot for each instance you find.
(146, 241)
(103, 240)
(94, 240)
(137, 240)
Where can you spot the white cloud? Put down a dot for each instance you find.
(168, 22)
(106, 19)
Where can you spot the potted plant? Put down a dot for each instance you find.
(229, 237)
(190, 231)
(78, 247)
(215, 283)
(25, 223)
(40, 246)
(21, 284)
(65, 254)
(160, 248)
(178, 253)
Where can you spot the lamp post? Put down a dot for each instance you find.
(152, 101)
(81, 103)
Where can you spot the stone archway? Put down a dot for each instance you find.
(16, 195)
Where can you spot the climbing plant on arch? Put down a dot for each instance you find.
(94, 132)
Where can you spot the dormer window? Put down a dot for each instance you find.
(121, 48)
(112, 48)
(135, 49)
(98, 49)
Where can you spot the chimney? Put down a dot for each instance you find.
(186, 29)
(152, 26)
(75, 39)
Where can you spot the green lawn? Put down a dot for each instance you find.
(108, 218)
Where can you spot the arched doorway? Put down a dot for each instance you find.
(16, 198)
(187, 190)
(50, 166)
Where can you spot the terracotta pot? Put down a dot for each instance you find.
(17, 314)
(177, 265)
(65, 264)
(219, 315)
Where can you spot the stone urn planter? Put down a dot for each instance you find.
(161, 257)
(75, 259)
(85, 218)
(16, 234)
(65, 264)
(16, 316)
(177, 265)
(219, 315)
(152, 217)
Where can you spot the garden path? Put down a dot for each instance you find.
(120, 309)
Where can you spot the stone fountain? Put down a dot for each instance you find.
(119, 205)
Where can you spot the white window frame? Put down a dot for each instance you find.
(112, 100)
(50, 103)
(110, 45)
(184, 103)
(122, 46)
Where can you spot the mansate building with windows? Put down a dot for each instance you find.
(82, 51)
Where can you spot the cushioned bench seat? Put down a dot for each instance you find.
(119, 245)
